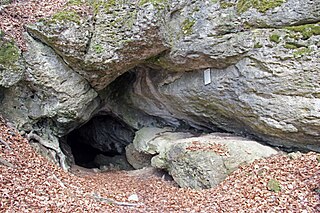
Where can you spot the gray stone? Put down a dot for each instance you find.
(156, 140)
(11, 63)
(263, 62)
(137, 160)
(52, 99)
(272, 92)
(205, 161)
(120, 37)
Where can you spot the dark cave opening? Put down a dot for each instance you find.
(100, 143)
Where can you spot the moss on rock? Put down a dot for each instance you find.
(257, 45)
(261, 5)
(98, 48)
(187, 26)
(290, 46)
(101, 4)
(306, 30)
(66, 15)
(154, 2)
(9, 53)
(301, 52)
(274, 38)
(225, 4)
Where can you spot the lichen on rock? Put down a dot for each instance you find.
(306, 30)
(261, 5)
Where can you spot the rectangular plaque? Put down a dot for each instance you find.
(207, 76)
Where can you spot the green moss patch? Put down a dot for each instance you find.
(261, 5)
(105, 5)
(290, 46)
(306, 30)
(257, 45)
(187, 26)
(9, 53)
(301, 52)
(66, 15)
(225, 5)
(98, 48)
(274, 38)
(273, 185)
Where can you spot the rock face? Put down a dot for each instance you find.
(50, 100)
(263, 82)
(11, 64)
(136, 159)
(246, 67)
(101, 48)
(198, 162)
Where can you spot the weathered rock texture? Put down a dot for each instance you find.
(198, 162)
(263, 58)
(136, 159)
(11, 64)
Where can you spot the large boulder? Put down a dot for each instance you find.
(151, 140)
(51, 99)
(248, 67)
(198, 162)
(259, 81)
(106, 44)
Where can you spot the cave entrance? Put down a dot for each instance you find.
(100, 143)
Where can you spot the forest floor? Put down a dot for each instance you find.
(30, 183)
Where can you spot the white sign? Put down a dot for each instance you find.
(207, 76)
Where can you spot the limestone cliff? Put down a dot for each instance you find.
(260, 62)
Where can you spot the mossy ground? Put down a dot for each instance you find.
(274, 185)
(261, 5)
(75, 2)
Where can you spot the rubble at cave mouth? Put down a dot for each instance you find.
(100, 143)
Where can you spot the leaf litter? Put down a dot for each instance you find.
(31, 183)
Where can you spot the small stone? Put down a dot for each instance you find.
(133, 197)
(295, 155)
